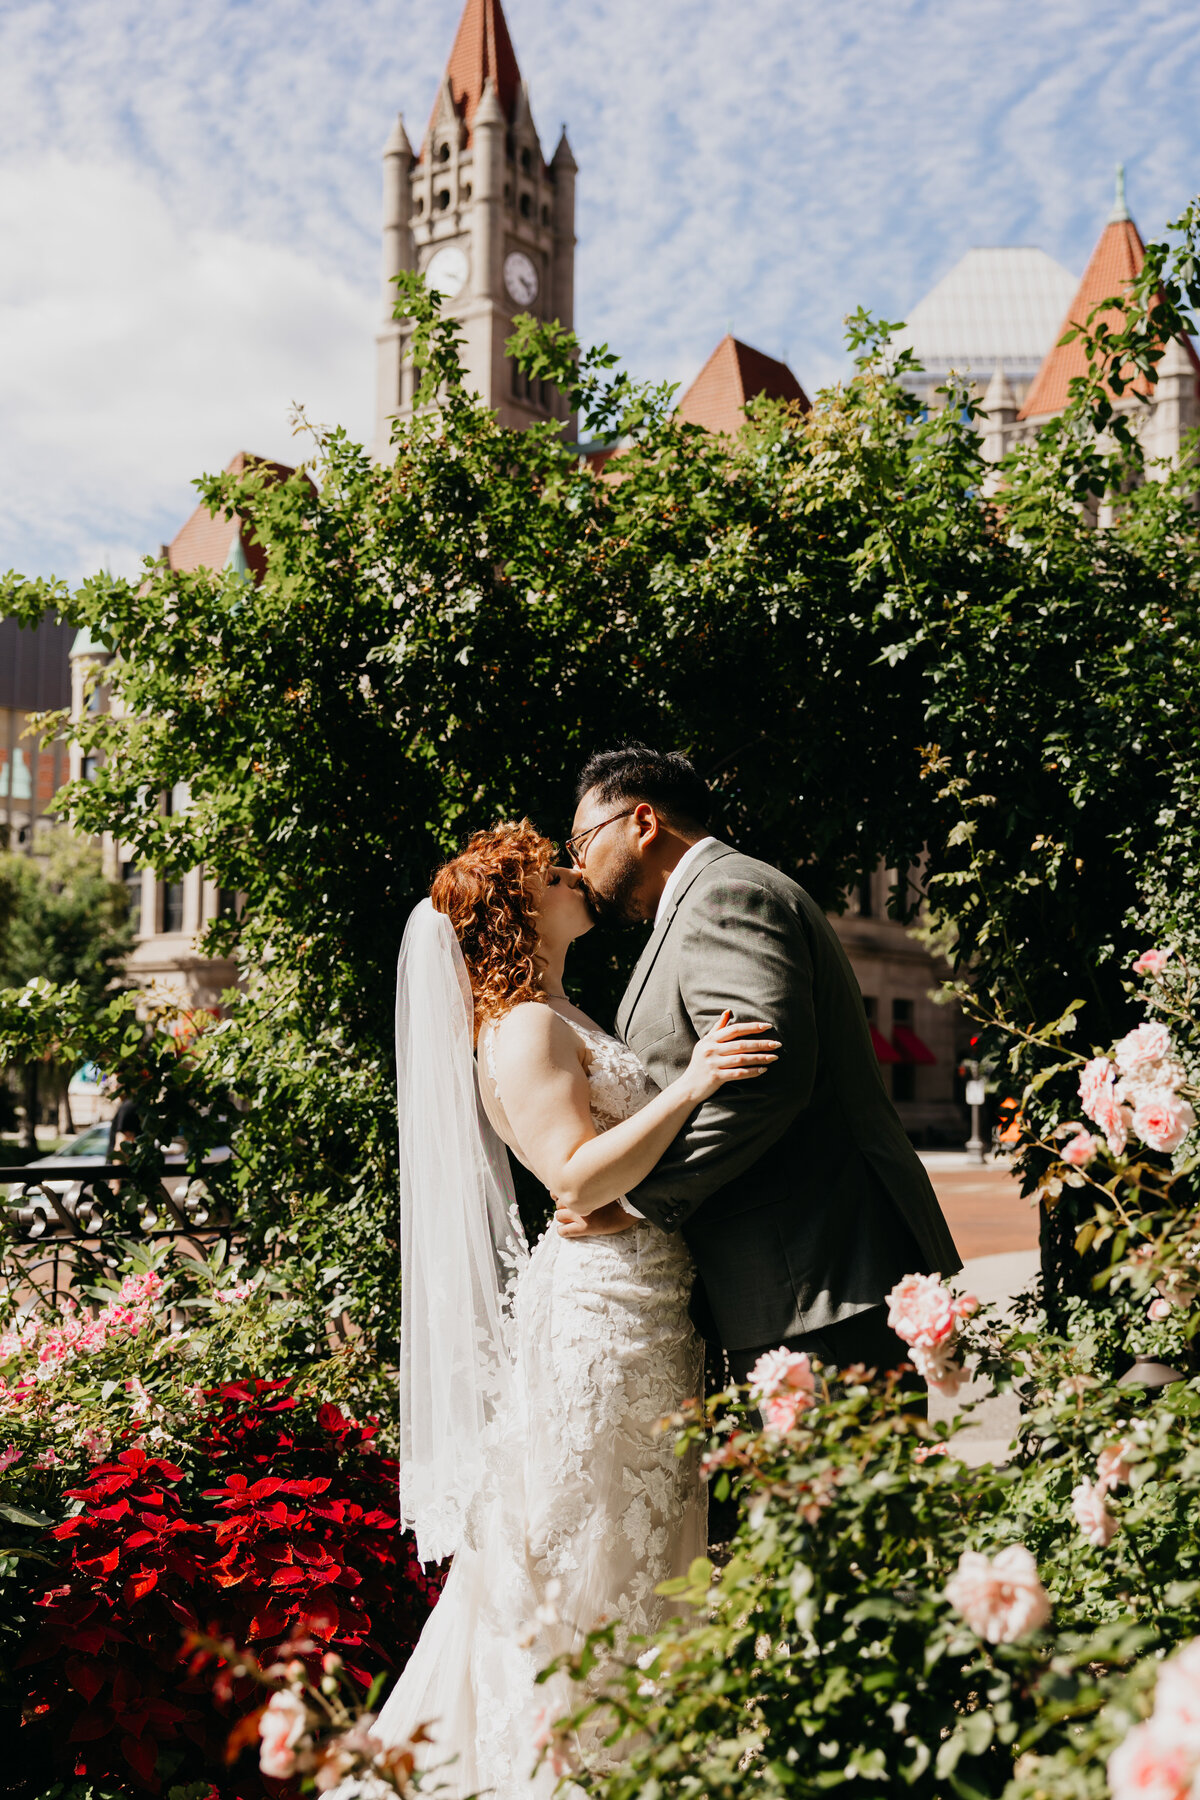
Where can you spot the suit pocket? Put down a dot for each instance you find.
(652, 1031)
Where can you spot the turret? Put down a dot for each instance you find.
(564, 169)
(488, 132)
(397, 203)
(999, 415)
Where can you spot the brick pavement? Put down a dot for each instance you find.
(982, 1204)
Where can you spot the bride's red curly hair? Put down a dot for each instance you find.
(483, 893)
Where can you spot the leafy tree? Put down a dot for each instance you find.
(874, 654)
(61, 920)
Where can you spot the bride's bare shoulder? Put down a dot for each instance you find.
(533, 1029)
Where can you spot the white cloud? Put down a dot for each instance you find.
(139, 352)
(191, 195)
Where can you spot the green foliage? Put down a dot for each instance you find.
(875, 653)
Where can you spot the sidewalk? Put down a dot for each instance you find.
(997, 1236)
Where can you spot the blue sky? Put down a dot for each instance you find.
(189, 199)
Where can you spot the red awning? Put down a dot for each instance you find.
(883, 1050)
(910, 1047)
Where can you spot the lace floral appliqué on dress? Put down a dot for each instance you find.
(585, 1507)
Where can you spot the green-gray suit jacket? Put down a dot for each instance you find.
(798, 1193)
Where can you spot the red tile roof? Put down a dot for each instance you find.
(733, 374)
(482, 48)
(205, 542)
(1116, 260)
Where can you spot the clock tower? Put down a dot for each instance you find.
(488, 221)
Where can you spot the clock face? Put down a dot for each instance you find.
(446, 271)
(520, 278)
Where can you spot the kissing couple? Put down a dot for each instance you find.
(728, 1160)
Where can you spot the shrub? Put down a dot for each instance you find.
(164, 1503)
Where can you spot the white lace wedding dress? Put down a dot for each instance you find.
(584, 1508)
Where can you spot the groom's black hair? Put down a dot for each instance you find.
(664, 779)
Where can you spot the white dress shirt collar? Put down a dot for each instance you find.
(676, 876)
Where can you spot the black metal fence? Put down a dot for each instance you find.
(64, 1218)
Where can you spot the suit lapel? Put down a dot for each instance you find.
(658, 937)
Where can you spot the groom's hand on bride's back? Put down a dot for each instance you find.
(604, 1222)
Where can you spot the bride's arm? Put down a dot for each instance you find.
(542, 1085)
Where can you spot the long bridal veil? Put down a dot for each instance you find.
(461, 1243)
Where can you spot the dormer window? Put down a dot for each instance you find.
(444, 153)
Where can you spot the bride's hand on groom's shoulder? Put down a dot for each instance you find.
(604, 1222)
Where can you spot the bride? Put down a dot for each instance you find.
(532, 1386)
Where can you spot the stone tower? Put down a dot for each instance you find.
(486, 218)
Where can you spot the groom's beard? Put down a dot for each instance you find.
(618, 904)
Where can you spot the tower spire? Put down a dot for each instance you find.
(482, 52)
(1120, 212)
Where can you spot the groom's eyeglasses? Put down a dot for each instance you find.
(575, 846)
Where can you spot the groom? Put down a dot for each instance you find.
(799, 1195)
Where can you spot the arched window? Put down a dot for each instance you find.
(444, 153)
(443, 199)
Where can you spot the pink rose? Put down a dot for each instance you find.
(1151, 962)
(1177, 1696)
(1162, 1120)
(1080, 1150)
(966, 1306)
(9, 1457)
(940, 1368)
(1149, 1765)
(280, 1729)
(1092, 1516)
(782, 1372)
(1098, 1097)
(921, 1310)
(781, 1413)
(1143, 1047)
(1159, 1309)
(1001, 1598)
(1112, 1464)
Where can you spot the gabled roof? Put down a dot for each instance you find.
(1116, 260)
(997, 304)
(733, 374)
(482, 50)
(206, 542)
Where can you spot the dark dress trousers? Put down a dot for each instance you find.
(798, 1193)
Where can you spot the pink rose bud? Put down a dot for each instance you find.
(1080, 1150)
(1151, 962)
(1159, 1309)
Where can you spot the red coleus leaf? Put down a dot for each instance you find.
(90, 1638)
(139, 1585)
(319, 1614)
(289, 1576)
(332, 1419)
(117, 1510)
(270, 1621)
(85, 1676)
(141, 1753)
(93, 1722)
(101, 1565)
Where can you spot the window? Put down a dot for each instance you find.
(131, 875)
(871, 1008)
(526, 206)
(902, 1012)
(227, 906)
(527, 160)
(444, 153)
(866, 898)
(172, 906)
(443, 199)
(545, 215)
